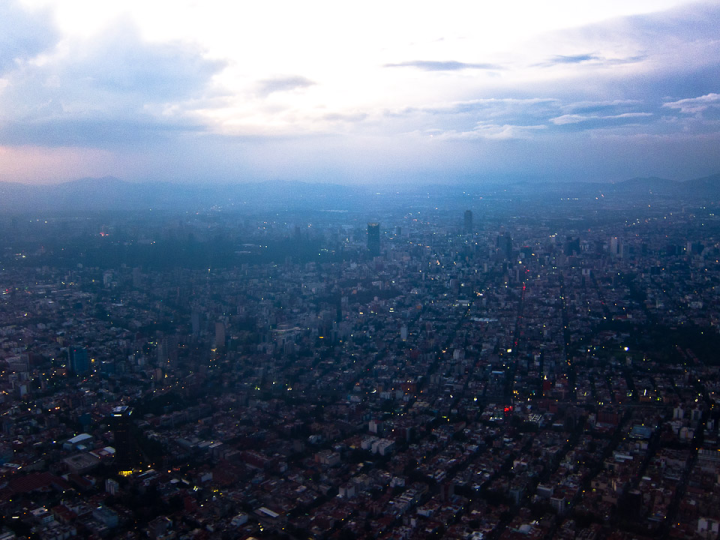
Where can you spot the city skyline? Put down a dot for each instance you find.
(404, 93)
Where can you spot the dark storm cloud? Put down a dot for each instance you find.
(23, 35)
(449, 65)
(282, 84)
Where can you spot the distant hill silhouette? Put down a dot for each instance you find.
(110, 193)
(708, 186)
(652, 183)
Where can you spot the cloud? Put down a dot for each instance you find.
(569, 119)
(105, 90)
(66, 131)
(590, 106)
(492, 132)
(593, 59)
(121, 63)
(348, 117)
(282, 84)
(577, 118)
(486, 106)
(498, 118)
(449, 65)
(695, 105)
(23, 35)
(575, 59)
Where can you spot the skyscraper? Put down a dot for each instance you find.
(127, 453)
(468, 228)
(504, 244)
(373, 239)
(195, 322)
(167, 351)
(78, 359)
(219, 335)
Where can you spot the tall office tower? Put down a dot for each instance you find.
(127, 452)
(78, 359)
(137, 278)
(495, 390)
(504, 244)
(468, 222)
(572, 246)
(616, 247)
(195, 322)
(219, 334)
(167, 351)
(373, 239)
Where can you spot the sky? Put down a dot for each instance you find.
(359, 92)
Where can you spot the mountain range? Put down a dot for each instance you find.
(110, 193)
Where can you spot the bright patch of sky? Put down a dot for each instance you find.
(358, 92)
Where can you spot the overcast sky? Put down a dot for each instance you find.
(356, 92)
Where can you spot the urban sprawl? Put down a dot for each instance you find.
(402, 374)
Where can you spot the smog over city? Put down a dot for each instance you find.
(325, 270)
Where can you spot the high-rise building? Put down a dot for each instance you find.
(572, 246)
(219, 334)
(167, 351)
(468, 228)
(137, 278)
(127, 452)
(373, 239)
(78, 359)
(504, 244)
(495, 390)
(195, 322)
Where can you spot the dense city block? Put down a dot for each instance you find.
(481, 367)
